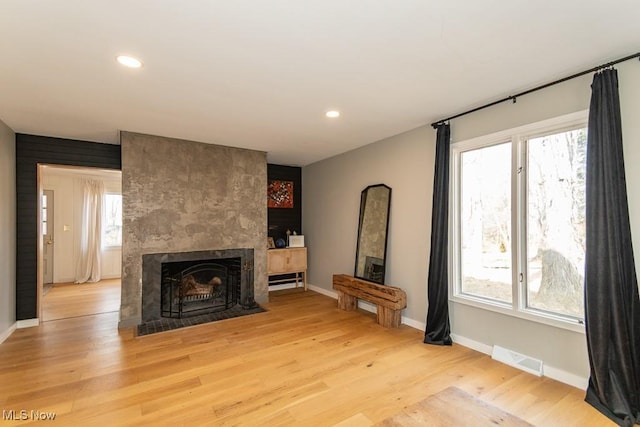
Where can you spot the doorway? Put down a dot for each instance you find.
(32, 151)
(64, 230)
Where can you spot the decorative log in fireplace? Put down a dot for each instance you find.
(190, 289)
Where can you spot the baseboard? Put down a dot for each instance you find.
(415, 324)
(548, 371)
(367, 306)
(73, 279)
(323, 291)
(6, 334)
(566, 377)
(282, 286)
(27, 323)
(472, 344)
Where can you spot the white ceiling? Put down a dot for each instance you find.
(261, 74)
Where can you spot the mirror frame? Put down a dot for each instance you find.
(363, 203)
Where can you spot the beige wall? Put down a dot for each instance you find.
(405, 162)
(331, 206)
(183, 196)
(7, 230)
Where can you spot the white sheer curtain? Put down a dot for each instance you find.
(88, 268)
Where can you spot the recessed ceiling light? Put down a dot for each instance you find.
(129, 61)
(333, 114)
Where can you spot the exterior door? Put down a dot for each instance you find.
(47, 236)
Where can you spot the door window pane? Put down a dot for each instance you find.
(44, 215)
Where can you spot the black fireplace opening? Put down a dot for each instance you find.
(191, 288)
(181, 289)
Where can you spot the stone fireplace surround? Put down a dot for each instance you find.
(151, 276)
(184, 196)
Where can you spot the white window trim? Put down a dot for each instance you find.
(515, 135)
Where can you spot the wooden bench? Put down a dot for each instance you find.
(390, 300)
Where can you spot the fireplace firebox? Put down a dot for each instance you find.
(184, 284)
(191, 288)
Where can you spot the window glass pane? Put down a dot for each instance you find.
(112, 228)
(44, 214)
(556, 222)
(485, 210)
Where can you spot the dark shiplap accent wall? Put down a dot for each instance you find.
(32, 150)
(279, 219)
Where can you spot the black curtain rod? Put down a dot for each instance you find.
(513, 98)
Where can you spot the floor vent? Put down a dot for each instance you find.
(517, 360)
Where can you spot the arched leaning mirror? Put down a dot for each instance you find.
(375, 203)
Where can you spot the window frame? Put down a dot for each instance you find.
(518, 137)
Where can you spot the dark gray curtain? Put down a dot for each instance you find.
(438, 330)
(612, 305)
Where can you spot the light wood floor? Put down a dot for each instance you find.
(303, 362)
(66, 300)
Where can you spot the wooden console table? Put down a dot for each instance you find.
(287, 261)
(390, 300)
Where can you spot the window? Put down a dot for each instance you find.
(519, 220)
(112, 220)
(44, 215)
